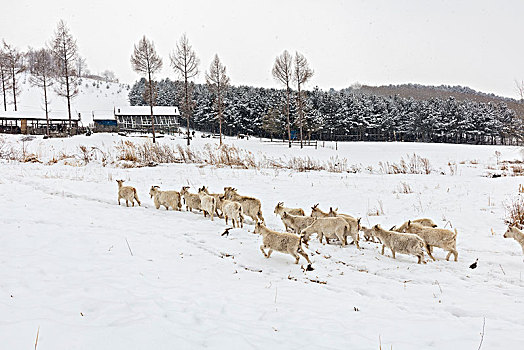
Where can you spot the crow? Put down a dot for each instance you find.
(474, 265)
(226, 231)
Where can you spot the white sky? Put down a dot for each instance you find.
(472, 43)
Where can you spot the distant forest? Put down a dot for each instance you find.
(451, 114)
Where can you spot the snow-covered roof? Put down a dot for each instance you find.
(145, 110)
(102, 115)
(33, 115)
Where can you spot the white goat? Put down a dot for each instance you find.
(423, 222)
(280, 209)
(250, 206)
(405, 243)
(295, 222)
(369, 234)
(217, 199)
(435, 237)
(330, 228)
(166, 198)
(231, 210)
(207, 203)
(128, 193)
(281, 242)
(191, 200)
(354, 224)
(516, 234)
(316, 212)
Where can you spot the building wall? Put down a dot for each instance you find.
(142, 121)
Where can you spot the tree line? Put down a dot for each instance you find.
(348, 114)
(344, 115)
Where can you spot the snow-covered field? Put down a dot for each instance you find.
(90, 274)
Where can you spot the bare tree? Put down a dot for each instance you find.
(218, 81)
(65, 54)
(270, 122)
(81, 66)
(14, 60)
(520, 89)
(4, 76)
(185, 63)
(109, 76)
(146, 61)
(42, 76)
(282, 72)
(301, 74)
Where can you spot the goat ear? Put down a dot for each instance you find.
(315, 206)
(409, 222)
(330, 209)
(376, 226)
(336, 209)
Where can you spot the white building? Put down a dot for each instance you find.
(139, 118)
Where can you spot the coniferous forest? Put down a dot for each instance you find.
(350, 114)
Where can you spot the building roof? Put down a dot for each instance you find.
(36, 115)
(145, 110)
(103, 115)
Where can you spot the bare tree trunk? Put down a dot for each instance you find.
(4, 89)
(46, 111)
(287, 113)
(300, 114)
(67, 89)
(13, 77)
(186, 108)
(151, 106)
(220, 115)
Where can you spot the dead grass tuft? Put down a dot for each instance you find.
(515, 211)
(414, 164)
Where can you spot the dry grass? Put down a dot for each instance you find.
(414, 164)
(515, 211)
(517, 170)
(378, 210)
(128, 154)
(9, 151)
(403, 187)
(452, 168)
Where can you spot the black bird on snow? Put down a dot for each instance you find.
(226, 231)
(474, 265)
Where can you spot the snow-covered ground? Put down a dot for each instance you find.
(90, 274)
(95, 99)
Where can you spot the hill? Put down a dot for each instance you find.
(95, 98)
(426, 92)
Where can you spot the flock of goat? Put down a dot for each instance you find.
(413, 237)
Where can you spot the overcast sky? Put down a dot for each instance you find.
(475, 43)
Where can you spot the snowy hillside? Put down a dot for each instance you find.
(89, 274)
(95, 97)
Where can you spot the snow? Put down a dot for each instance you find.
(68, 271)
(93, 101)
(145, 110)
